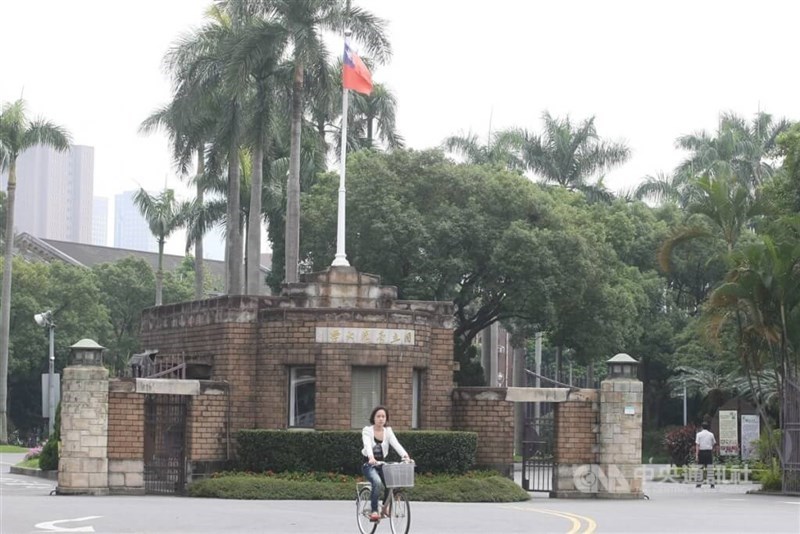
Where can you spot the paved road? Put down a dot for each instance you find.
(26, 507)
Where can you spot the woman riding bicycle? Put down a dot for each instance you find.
(377, 437)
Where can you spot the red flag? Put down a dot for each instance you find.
(355, 74)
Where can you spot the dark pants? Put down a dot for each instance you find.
(706, 458)
(374, 475)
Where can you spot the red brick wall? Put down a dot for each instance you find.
(221, 332)
(206, 432)
(125, 426)
(485, 411)
(251, 343)
(288, 339)
(576, 425)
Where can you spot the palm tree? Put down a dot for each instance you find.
(761, 299)
(200, 62)
(374, 116)
(739, 148)
(17, 133)
(568, 154)
(672, 188)
(164, 215)
(251, 69)
(502, 148)
(188, 123)
(305, 21)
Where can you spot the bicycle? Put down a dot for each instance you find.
(397, 476)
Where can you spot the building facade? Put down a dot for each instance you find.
(55, 188)
(100, 222)
(130, 228)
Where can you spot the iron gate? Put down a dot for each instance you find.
(537, 447)
(165, 444)
(791, 437)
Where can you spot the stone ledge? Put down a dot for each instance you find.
(31, 472)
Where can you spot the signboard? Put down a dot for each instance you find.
(46, 392)
(751, 431)
(373, 336)
(728, 433)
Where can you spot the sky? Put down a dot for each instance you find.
(648, 72)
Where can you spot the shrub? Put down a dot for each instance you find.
(48, 459)
(680, 444)
(340, 451)
(772, 478)
(471, 487)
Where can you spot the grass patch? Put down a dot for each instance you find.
(33, 463)
(12, 448)
(474, 486)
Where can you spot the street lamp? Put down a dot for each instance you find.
(45, 320)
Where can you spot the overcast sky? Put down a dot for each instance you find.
(648, 71)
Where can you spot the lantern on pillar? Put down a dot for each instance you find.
(622, 366)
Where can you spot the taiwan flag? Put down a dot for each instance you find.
(355, 74)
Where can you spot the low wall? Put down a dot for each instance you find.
(487, 412)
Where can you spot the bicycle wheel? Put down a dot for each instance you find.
(365, 526)
(400, 517)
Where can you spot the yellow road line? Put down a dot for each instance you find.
(575, 519)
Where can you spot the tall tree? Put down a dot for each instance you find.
(251, 70)
(200, 61)
(188, 121)
(739, 148)
(501, 148)
(17, 133)
(164, 214)
(570, 154)
(305, 21)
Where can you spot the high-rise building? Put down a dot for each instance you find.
(54, 193)
(100, 221)
(130, 227)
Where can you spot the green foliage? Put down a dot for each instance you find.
(48, 459)
(469, 487)
(339, 451)
(680, 444)
(767, 445)
(654, 447)
(470, 370)
(772, 478)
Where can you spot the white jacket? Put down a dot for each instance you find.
(368, 438)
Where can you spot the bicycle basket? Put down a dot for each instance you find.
(399, 475)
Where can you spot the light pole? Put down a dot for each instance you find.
(45, 320)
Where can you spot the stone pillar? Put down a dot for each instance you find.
(620, 474)
(83, 465)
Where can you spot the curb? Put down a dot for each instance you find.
(31, 472)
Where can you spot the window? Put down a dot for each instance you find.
(416, 398)
(302, 392)
(367, 391)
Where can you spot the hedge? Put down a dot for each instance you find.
(279, 451)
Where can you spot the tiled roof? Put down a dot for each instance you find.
(85, 255)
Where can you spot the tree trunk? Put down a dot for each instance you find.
(292, 252)
(160, 271)
(233, 242)
(254, 223)
(5, 300)
(199, 271)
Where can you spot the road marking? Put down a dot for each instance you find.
(790, 502)
(11, 481)
(50, 526)
(575, 519)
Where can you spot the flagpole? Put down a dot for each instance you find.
(340, 260)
